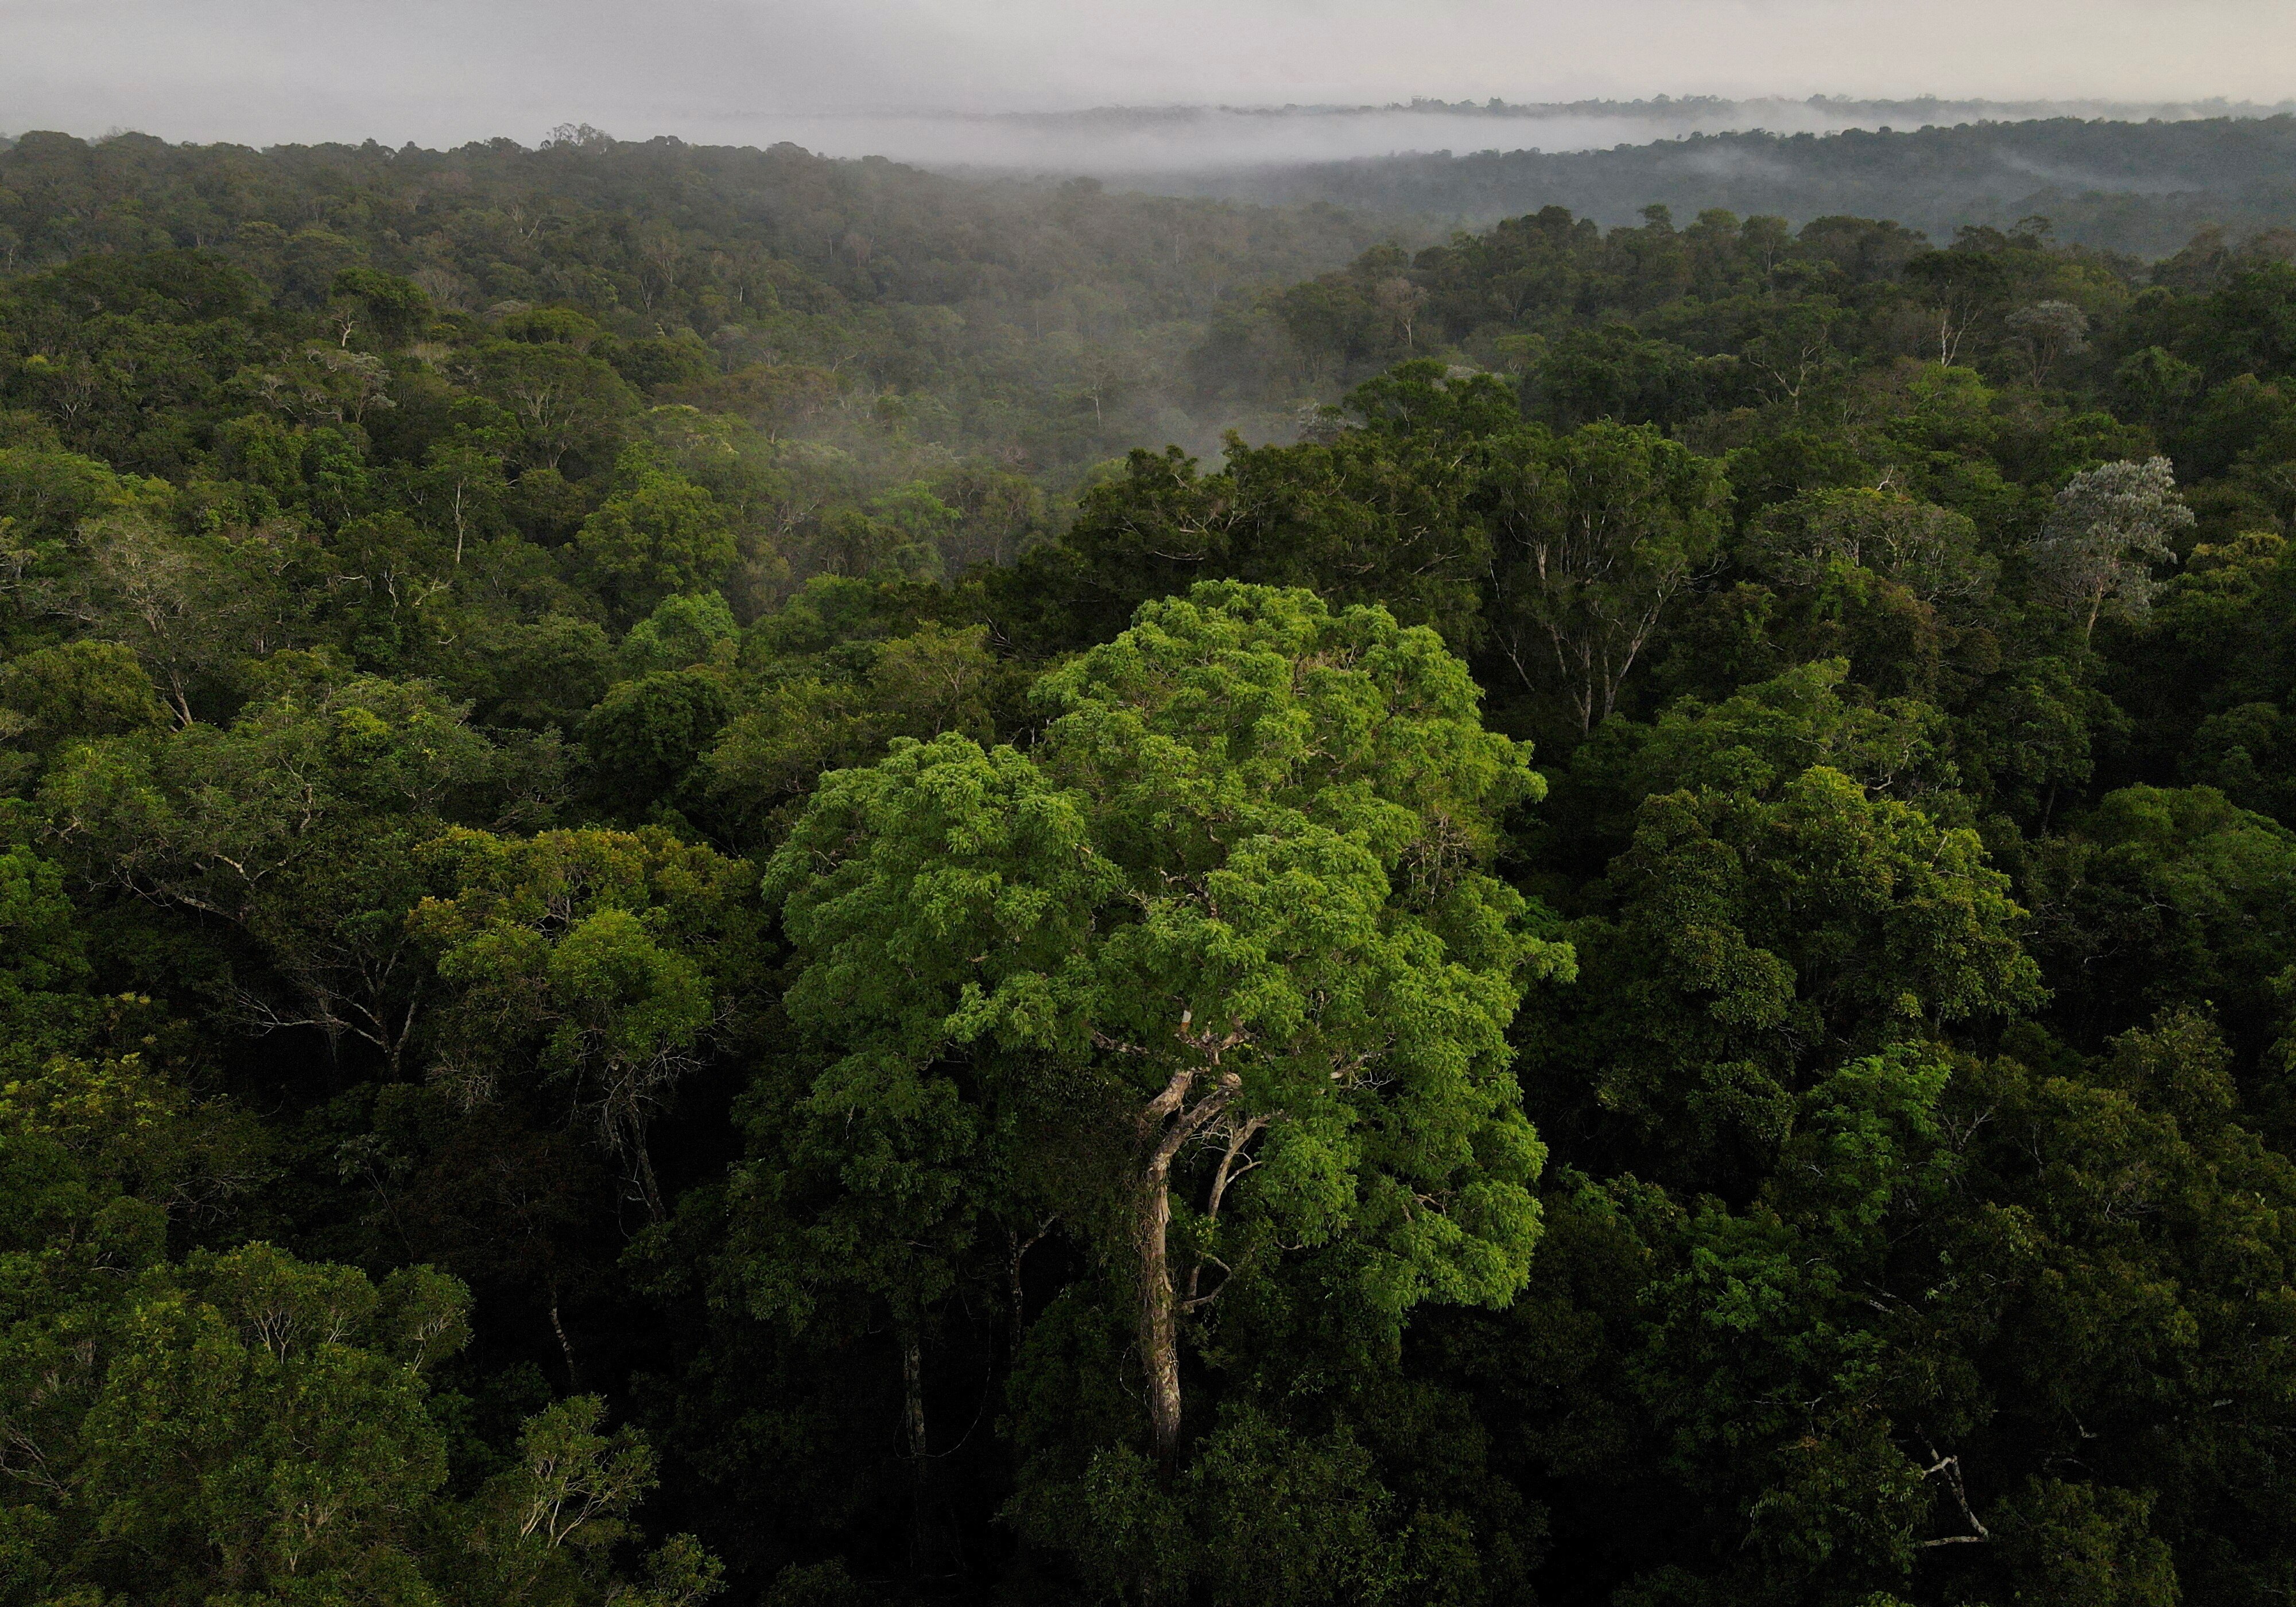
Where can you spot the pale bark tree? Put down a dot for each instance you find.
(2108, 529)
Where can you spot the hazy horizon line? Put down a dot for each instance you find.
(1117, 139)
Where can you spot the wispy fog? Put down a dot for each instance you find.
(1118, 142)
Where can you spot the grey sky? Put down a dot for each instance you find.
(447, 71)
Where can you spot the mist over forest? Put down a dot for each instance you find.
(1128, 142)
(1182, 857)
(2143, 188)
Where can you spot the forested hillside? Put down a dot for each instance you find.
(1033, 324)
(2138, 187)
(1653, 963)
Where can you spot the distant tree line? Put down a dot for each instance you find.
(2141, 188)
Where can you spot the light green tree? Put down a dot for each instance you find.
(1224, 940)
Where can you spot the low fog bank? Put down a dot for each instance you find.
(1135, 142)
(2141, 187)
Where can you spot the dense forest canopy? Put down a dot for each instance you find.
(1033, 323)
(658, 938)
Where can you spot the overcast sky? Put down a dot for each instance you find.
(441, 71)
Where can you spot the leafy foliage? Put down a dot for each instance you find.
(658, 932)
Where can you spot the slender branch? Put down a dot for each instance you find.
(1950, 1467)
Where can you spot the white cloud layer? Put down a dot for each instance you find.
(447, 70)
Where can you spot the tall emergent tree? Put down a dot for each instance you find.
(1220, 959)
(2110, 527)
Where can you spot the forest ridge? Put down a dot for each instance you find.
(682, 917)
(2142, 187)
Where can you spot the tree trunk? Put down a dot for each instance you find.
(565, 1346)
(1016, 1291)
(1160, 1327)
(913, 1392)
(1167, 1124)
(648, 1191)
(933, 1550)
(1017, 1294)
